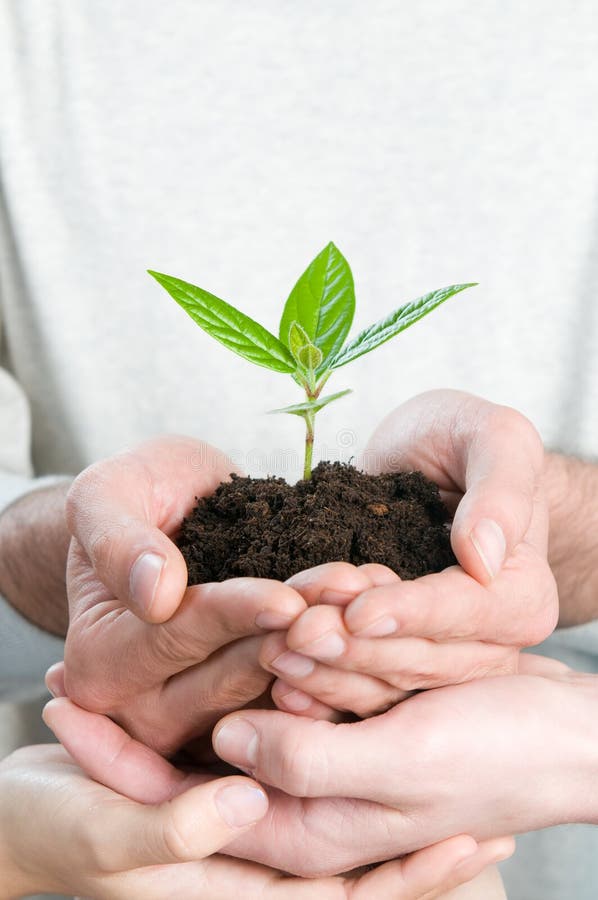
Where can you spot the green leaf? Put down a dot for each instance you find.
(298, 409)
(310, 357)
(307, 354)
(322, 302)
(228, 325)
(298, 339)
(394, 323)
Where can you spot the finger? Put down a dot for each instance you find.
(187, 824)
(194, 700)
(335, 583)
(451, 605)
(341, 690)
(217, 878)
(212, 615)
(467, 445)
(108, 755)
(196, 823)
(290, 699)
(379, 574)
(209, 617)
(534, 664)
(55, 680)
(121, 511)
(406, 663)
(307, 758)
(504, 461)
(430, 872)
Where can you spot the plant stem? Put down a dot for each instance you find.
(309, 444)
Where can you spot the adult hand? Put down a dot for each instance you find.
(165, 660)
(469, 620)
(486, 758)
(127, 766)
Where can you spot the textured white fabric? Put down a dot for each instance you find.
(434, 142)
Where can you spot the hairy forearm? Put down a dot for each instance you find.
(34, 543)
(572, 488)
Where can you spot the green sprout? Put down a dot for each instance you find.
(315, 322)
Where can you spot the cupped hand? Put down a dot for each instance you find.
(125, 766)
(487, 758)
(468, 621)
(165, 660)
(62, 832)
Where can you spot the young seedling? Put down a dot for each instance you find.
(315, 322)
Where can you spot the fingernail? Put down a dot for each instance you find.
(296, 701)
(336, 598)
(330, 646)
(241, 804)
(294, 664)
(489, 541)
(466, 858)
(380, 628)
(237, 743)
(55, 693)
(144, 579)
(55, 682)
(272, 621)
(505, 850)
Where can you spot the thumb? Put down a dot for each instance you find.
(167, 823)
(501, 506)
(193, 825)
(121, 510)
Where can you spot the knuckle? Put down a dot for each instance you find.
(101, 549)
(174, 836)
(367, 707)
(174, 645)
(84, 688)
(416, 680)
(505, 663)
(540, 598)
(144, 721)
(231, 689)
(302, 767)
(507, 420)
(235, 689)
(364, 656)
(79, 497)
(80, 485)
(421, 671)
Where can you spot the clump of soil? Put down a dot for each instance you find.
(270, 529)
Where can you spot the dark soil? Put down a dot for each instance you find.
(270, 529)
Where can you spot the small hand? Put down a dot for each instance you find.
(163, 659)
(62, 832)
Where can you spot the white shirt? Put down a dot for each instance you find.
(227, 143)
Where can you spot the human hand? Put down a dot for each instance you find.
(62, 832)
(164, 660)
(487, 758)
(465, 622)
(125, 765)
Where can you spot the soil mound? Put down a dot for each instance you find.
(269, 529)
